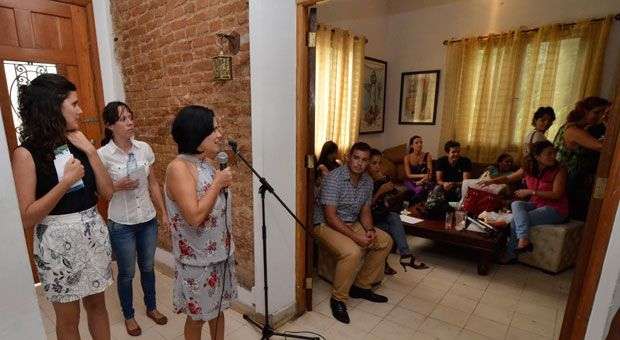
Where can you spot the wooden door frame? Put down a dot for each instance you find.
(592, 251)
(596, 233)
(301, 147)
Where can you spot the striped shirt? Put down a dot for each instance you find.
(338, 190)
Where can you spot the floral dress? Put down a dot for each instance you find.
(204, 255)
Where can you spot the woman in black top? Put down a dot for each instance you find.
(58, 178)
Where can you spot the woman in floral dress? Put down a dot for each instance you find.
(200, 219)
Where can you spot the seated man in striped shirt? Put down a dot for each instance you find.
(343, 224)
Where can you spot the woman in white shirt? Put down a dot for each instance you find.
(132, 217)
(542, 121)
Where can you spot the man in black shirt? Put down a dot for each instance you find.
(451, 170)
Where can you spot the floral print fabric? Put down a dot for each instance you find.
(72, 253)
(204, 254)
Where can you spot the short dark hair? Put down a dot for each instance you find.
(361, 146)
(541, 112)
(191, 126)
(375, 152)
(451, 144)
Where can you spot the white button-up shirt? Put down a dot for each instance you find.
(129, 206)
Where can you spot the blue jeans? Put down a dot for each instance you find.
(526, 215)
(127, 241)
(392, 225)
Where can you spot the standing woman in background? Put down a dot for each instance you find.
(132, 216)
(542, 121)
(575, 146)
(58, 178)
(200, 218)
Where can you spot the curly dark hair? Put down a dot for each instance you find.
(40, 110)
(541, 112)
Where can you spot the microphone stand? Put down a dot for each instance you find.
(267, 330)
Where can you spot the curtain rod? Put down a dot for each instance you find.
(354, 37)
(446, 42)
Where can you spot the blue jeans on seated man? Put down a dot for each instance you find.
(391, 224)
(127, 242)
(524, 216)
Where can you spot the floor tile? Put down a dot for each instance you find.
(440, 329)
(486, 327)
(533, 325)
(450, 315)
(494, 313)
(405, 318)
(458, 302)
(417, 305)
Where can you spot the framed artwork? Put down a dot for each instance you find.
(372, 117)
(418, 97)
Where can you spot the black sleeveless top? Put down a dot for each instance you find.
(47, 179)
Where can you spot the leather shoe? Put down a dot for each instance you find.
(339, 310)
(161, 320)
(366, 294)
(134, 331)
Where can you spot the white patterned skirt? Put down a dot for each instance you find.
(198, 290)
(73, 255)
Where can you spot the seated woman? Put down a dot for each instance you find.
(504, 166)
(575, 151)
(542, 121)
(328, 160)
(384, 215)
(545, 179)
(418, 169)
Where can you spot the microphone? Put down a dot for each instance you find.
(222, 158)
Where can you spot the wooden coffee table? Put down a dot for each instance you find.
(485, 245)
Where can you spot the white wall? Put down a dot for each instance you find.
(417, 29)
(19, 310)
(272, 57)
(607, 298)
(111, 75)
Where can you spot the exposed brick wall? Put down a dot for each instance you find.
(165, 49)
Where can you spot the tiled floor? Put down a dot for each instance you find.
(447, 301)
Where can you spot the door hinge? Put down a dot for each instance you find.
(311, 39)
(308, 283)
(310, 161)
(599, 188)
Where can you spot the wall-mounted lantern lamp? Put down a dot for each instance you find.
(222, 64)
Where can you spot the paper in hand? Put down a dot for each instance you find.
(62, 156)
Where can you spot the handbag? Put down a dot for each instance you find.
(476, 201)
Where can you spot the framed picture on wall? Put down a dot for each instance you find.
(372, 117)
(418, 97)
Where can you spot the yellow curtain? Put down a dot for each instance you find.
(494, 85)
(339, 67)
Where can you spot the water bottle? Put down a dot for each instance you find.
(131, 165)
